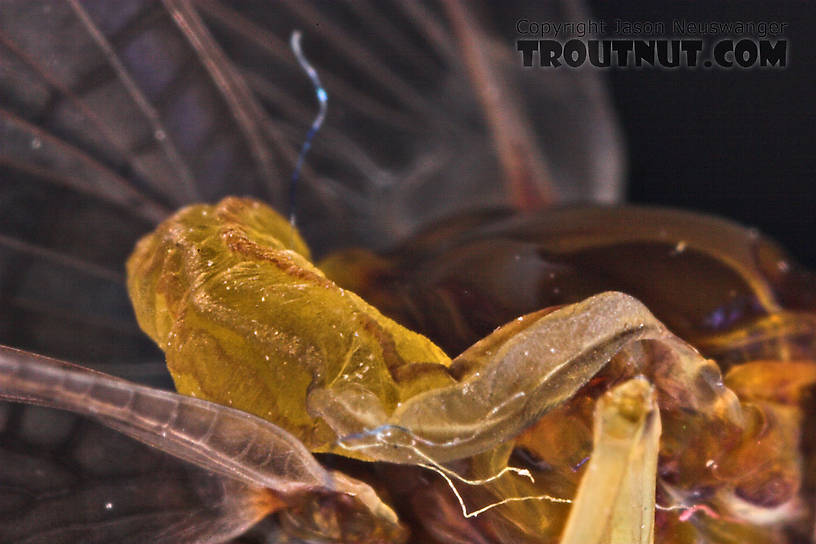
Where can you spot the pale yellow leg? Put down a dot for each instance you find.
(615, 500)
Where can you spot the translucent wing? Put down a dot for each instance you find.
(68, 479)
(412, 132)
(65, 480)
(113, 114)
(249, 457)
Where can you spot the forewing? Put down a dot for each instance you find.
(230, 442)
(113, 114)
(423, 102)
(68, 479)
(262, 467)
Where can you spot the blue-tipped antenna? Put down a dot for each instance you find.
(323, 100)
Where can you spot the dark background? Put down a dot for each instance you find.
(737, 143)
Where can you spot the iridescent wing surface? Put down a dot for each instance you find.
(114, 114)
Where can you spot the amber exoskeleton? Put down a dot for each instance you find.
(575, 397)
(729, 291)
(115, 115)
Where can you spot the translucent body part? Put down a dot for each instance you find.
(258, 467)
(706, 426)
(67, 479)
(196, 101)
(247, 322)
(717, 284)
(615, 502)
(407, 403)
(731, 458)
(115, 114)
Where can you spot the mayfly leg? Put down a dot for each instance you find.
(615, 501)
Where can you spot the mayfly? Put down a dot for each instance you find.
(582, 419)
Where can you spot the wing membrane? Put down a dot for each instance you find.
(226, 441)
(67, 479)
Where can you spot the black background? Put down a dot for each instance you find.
(737, 143)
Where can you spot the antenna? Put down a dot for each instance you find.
(323, 99)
